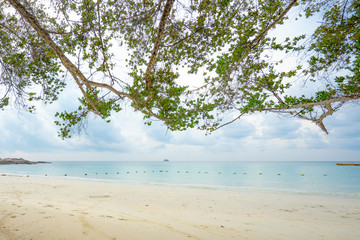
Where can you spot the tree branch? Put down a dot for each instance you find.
(320, 123)
(312, 104)
(120, 94)
(164, 17)
(260, 36)
(58, 33)
(143, 13)
(223, 125)
(75, 72)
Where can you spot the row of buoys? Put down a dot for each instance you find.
(260, 173)
(4, 175)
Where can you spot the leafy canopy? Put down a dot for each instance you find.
(141, 52)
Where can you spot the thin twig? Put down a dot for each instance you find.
(223, 125)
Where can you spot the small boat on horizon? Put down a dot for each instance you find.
(348, 164)
(166, 160)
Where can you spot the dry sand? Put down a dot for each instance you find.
(50, 208)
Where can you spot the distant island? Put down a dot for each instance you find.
(6, 161)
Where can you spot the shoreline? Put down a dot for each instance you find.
(63, 208)
(190, 186)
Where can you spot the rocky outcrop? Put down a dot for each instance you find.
(5, 161)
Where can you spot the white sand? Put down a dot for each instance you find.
(49, 208)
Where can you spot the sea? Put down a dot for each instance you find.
(324, 178)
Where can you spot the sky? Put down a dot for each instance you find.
(258, 137)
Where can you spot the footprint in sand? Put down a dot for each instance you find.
(100, 196)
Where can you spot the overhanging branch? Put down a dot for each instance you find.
(44, 34)
(164, 17)
(256, 40)
(313, 104)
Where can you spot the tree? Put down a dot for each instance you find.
(227, 44)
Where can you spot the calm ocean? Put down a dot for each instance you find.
(299, 177)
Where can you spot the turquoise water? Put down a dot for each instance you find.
(300, 177)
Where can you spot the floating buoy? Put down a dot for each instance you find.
(219, 172)
(187, 171)
(85, 174)
(95, 173)
(127, 172)
(166, 171)
(45, 175)
(106, 173)
(136, 172)
(117, 173)
(199, 172)
(65, 174)
(244, 173)
(144, 171)
(234, 173)
(205, 172)
(161, 171)
(27, 175)
(279, 174)
(260, 173)
(178, 171)
(3, 175)
(302, 174)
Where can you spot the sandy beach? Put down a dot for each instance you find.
(49, 208)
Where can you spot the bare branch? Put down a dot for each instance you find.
(312, 104)
(58, 33)
(223, 125)
(319, 122)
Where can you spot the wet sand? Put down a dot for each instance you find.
(50, 208)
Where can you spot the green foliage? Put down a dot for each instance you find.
(226, 44)
(26, 61)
